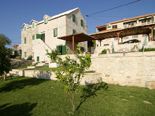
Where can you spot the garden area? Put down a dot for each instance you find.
(23, 96)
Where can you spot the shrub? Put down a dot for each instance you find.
(53, 55)
(104, 51)
(147, 49)
(30, 57)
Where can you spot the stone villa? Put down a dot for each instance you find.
(126, 31)
(41, 36)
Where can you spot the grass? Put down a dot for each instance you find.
(147, 49)
(46, 68)
(23, 96)
(42, 68)
(21, 67)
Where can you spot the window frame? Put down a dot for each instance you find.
(74, 31)
(24, 28)
(33, 37)
(73, 17)
(45, 20)
(25, 54)
(81, 22)
(114, 26)
(55, 32)
(32, 25)
(25, 40)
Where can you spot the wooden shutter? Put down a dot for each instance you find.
(73, 17)
(64, 50)
(39, 36)
(37, 58)
(81, 22)
(74, 31)
(25, 40)
(58, 49)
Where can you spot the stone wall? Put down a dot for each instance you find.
(133, 69)
(19, 63)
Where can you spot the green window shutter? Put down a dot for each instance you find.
(74, 31)
(73, 17)
(55, 32)
(25, 54)
(58, 49)
(39, 36)
(25, 40)
(32, 25)
(64, 50)
(45, 20)
(37, 58)
(24, 28)
(81, 22)
(33, 37)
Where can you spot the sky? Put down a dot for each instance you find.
(14, 13)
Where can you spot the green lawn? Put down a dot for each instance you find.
(23, 96)
(46, 68)
(43, 68)
(21, 67)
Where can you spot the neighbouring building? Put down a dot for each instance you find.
(126, 31)
(16, 50)
(41, 36)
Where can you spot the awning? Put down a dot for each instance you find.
(75, 38)
(78, 37)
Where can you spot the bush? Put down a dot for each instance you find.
(30, 57)
(104, 51)
(147, 49)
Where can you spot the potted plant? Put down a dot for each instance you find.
(54, 57)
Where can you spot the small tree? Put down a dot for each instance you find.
(4, 52)
(53, 55)
(70, 72)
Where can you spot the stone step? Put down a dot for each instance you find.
(15, 69)
(42, 64)
(29, 67)
(14, 72)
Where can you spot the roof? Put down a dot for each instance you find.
(59, 15)
(112, 33)
(78, 37)
(15, 46)
(55, 16)
(132, 18)
(141, 16)
(102, 26)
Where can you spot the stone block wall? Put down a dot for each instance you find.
(133, 69)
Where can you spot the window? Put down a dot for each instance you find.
(74, 31)
(81, 22)
(73, 18)
(45, 20)
(25, 40)
(32, 25)
(55, 32)
(25, 54)
(37, 58)
(24, 28)
(135, 36)
(33, 37)
(114, 26)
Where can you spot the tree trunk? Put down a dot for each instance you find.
(5, 76)
(73, 101)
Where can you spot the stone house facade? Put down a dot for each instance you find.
(123, 24)
(40, 37)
